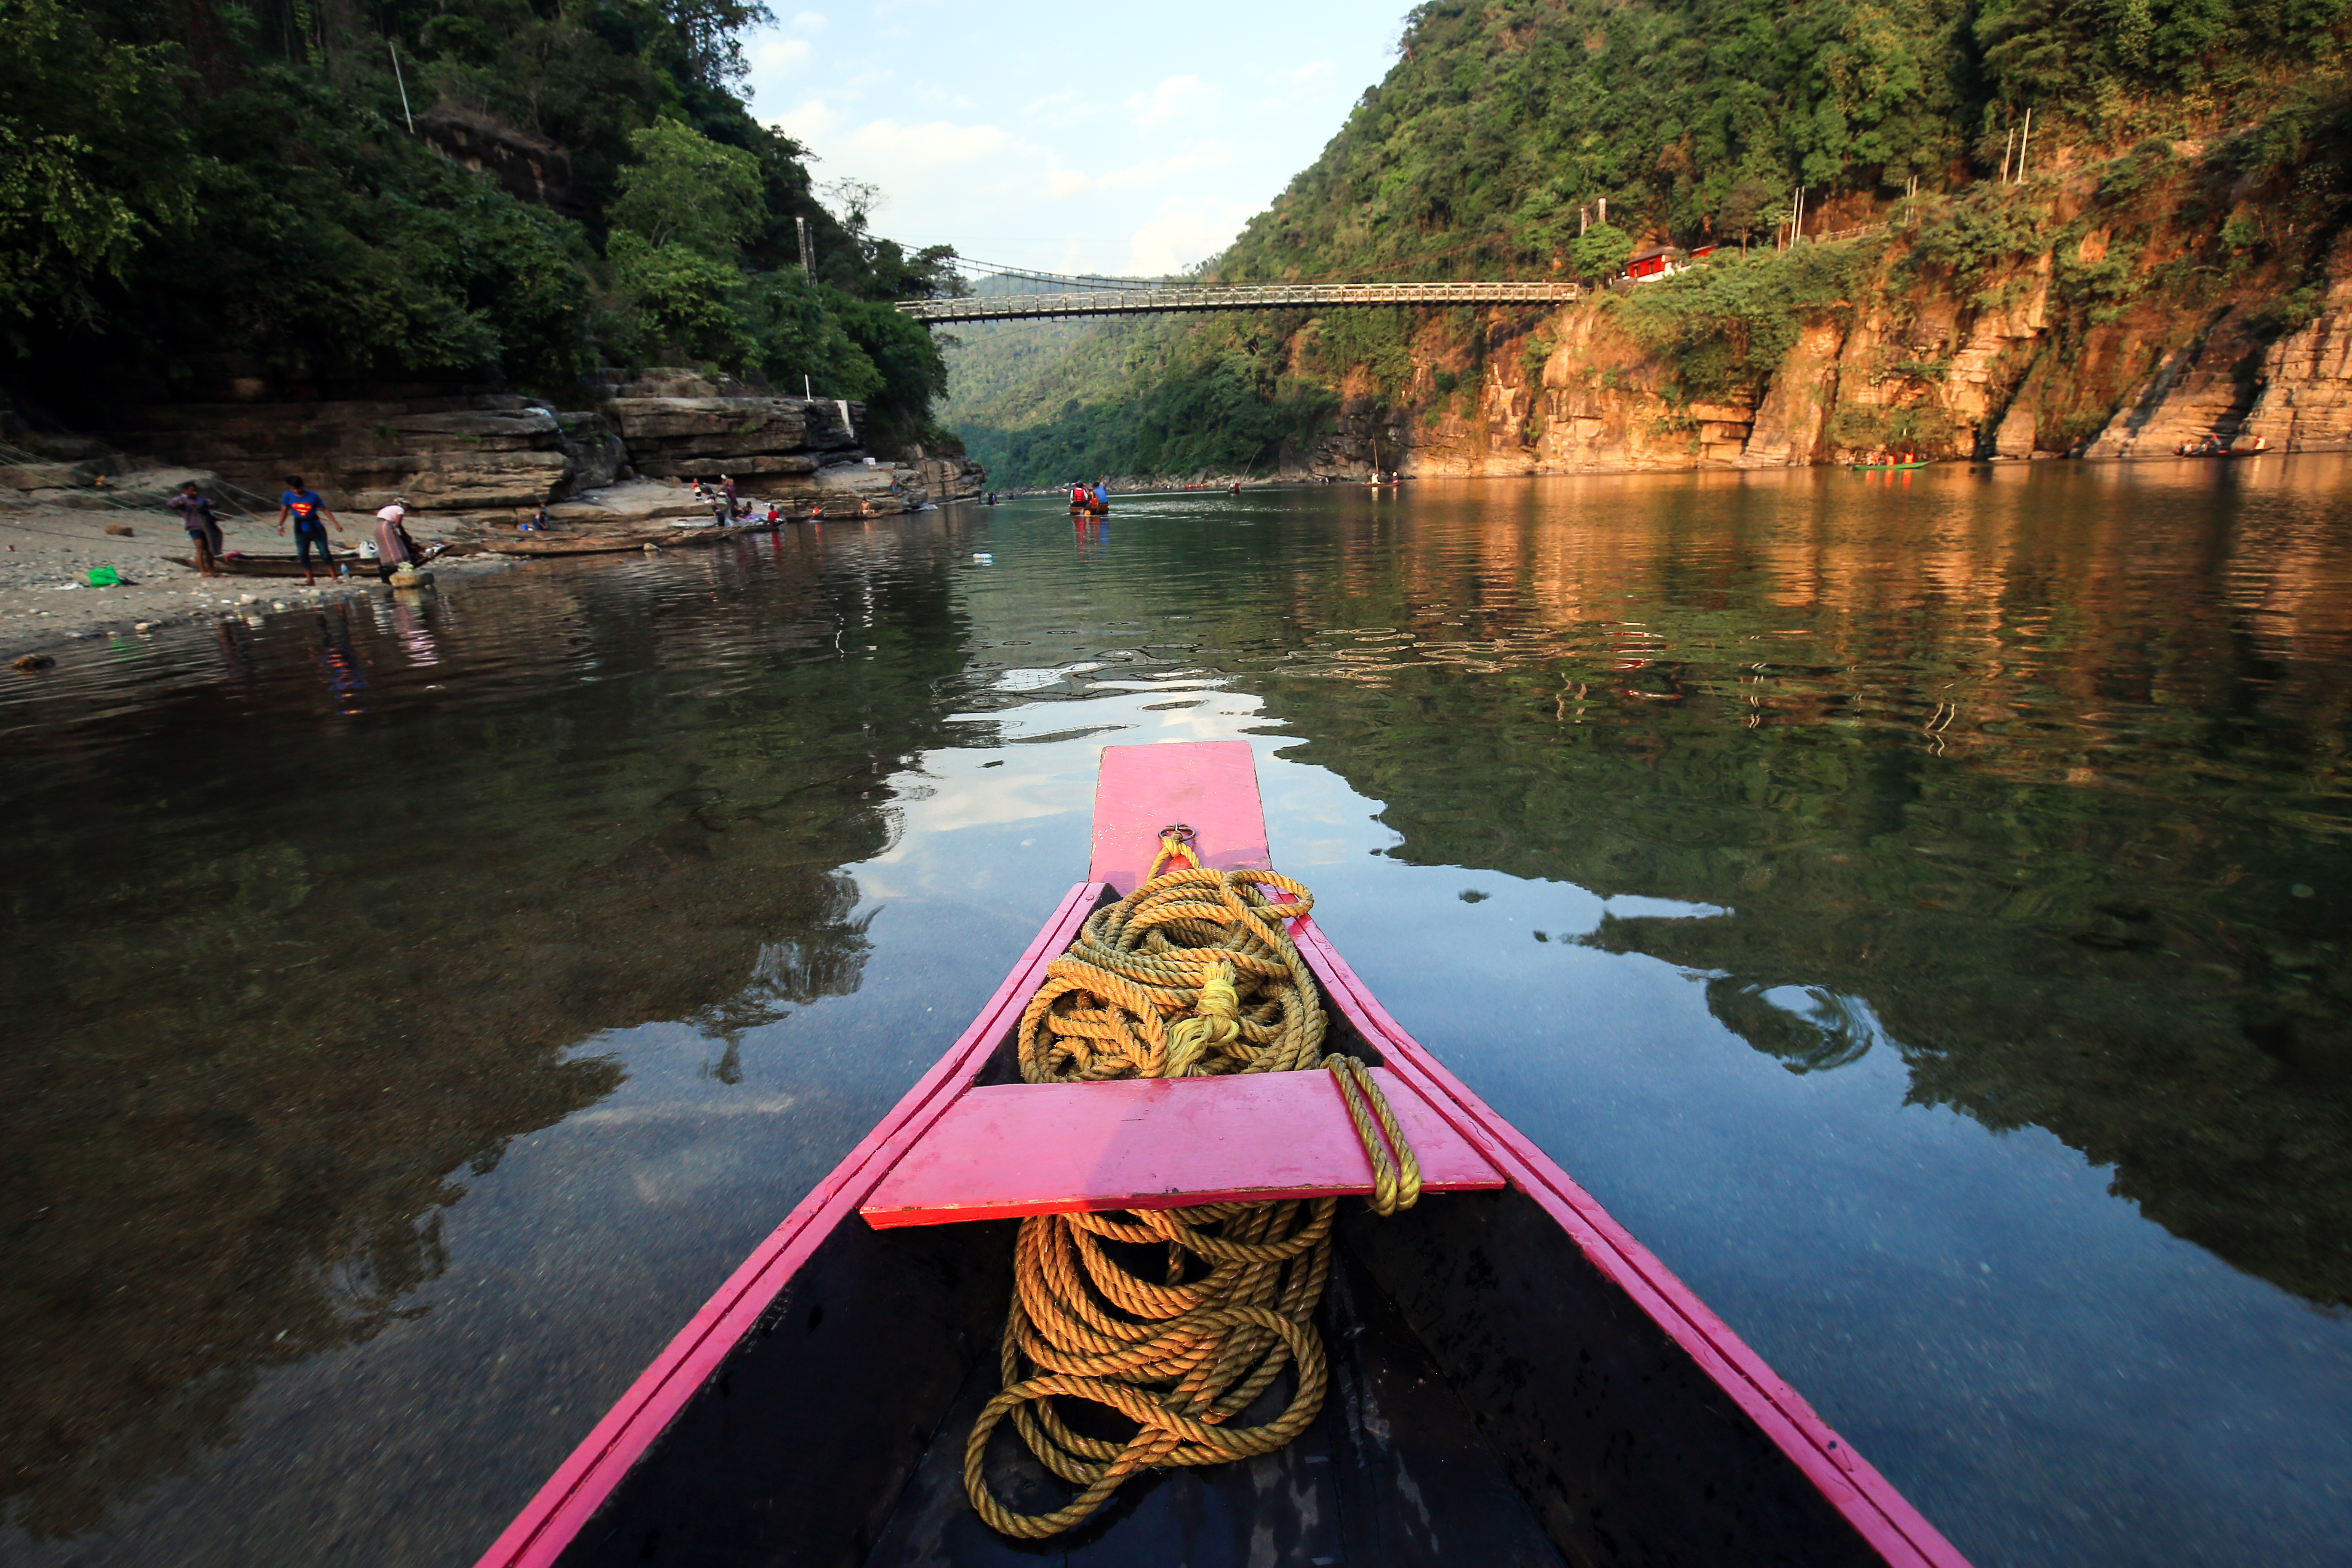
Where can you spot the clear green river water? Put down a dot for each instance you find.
(1920, 909)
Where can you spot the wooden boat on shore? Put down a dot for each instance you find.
(549, 546)
(274, 565)
(1512, 1378)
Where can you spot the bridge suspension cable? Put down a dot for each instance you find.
(1084, 280)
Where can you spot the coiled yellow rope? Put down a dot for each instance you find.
(1192, 974)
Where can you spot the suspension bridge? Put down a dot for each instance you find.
(1142, 296)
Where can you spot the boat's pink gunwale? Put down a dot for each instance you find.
(1869, 1501)
(540, 1534)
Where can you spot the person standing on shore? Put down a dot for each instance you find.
(309, 516)
(393, 549)
(204, 529)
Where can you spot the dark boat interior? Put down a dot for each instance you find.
(1494, 1402)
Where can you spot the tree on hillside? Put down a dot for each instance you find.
(686, 189)
(87, 175)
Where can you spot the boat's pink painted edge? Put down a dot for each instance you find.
(1876, 1508)
(580, 1486)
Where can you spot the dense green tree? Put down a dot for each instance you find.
(686, 189)
(86, 177)
(262, 188)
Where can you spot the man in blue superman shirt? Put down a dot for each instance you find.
(310, 517)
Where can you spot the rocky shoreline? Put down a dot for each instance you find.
(471, 464)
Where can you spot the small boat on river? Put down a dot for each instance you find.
(1888, 468)
(1495, 1375)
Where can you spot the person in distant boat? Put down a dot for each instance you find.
(816, 511)
(1102, 493)
(301, 506)
(393, 549)
(204, 529)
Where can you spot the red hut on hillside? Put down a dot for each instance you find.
(1652, 262)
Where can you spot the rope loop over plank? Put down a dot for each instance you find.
(1192, 974)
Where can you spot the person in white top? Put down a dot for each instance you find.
(393, 549)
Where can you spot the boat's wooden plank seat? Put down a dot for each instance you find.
(1027, 1149)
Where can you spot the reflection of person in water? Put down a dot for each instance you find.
(346, 681)
(413, 636)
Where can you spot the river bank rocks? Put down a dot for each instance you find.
(688, 437)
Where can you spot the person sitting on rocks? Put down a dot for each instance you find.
(204, 529)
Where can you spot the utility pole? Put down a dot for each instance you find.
(802, 224)
(2021, 145)
(1604, 210)
(2008, 143)
(403, 85)
(1583, 220)
(1797, 226)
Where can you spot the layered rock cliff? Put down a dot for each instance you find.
(1910, 363)
(491, 453)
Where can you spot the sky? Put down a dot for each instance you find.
(1118, 138)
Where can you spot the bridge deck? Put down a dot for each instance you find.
(1145, 302)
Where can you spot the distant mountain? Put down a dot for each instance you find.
(2111, 170)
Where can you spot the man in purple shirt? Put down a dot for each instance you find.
(204, 529)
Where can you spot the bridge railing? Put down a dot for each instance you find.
(1232, 297)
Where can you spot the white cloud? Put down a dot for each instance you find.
(1064, 183)
(810, 21)
(891, 150)
(1303, 76)
(778, 55)
(1181, 235)
(1175, 97)
(809, 121)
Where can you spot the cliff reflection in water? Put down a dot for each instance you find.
(2040, 786)
(284, 981)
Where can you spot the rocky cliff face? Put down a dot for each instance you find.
(488, 453)
(2291, 391)
(2001, 374)
(444, 453)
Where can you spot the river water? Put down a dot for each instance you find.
(1917, 909)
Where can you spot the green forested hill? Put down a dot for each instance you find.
(194, 191)
(1503, 127)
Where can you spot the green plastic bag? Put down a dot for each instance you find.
(105, 577)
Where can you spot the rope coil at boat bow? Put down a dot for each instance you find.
(1192, 974)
